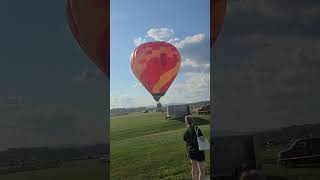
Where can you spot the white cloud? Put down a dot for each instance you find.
(139, 40)
(174, 40)
(195, 52)
(195, 87)
(194, 64)
(160, 34)
(189, 65)
(127, 101)
(136, 85)
(197, 38)
(122, 101)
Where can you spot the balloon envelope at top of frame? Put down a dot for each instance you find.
(156, 65)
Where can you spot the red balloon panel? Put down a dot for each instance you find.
(90, 24)
(217, 13)
(156, 65)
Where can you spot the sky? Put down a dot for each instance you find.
(267, 65)
(185, 25)
(51, 93)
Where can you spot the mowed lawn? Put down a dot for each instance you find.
(79, 170)
(148, 146)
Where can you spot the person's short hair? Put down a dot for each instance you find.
(252, 175)
(189, 120)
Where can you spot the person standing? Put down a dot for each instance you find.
(196, 156)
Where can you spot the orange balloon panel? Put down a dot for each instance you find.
(156, 65)
(217, 13)
(90, 24)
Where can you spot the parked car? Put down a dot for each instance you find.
(204, 109)
(304, 151)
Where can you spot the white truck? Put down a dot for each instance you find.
(178, 111)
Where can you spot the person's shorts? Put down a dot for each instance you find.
(197, 155)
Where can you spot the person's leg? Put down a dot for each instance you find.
(201, 170)
(194, 170)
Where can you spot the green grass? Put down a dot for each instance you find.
(147, 146)
(143, 146)
(80, 170)
(139, 124)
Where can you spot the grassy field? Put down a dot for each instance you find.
(143, 146)
(80, 170)
(148, 146)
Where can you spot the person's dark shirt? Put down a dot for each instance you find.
(190, 138)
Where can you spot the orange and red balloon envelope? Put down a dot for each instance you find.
(90, 24)
(156, 65)
(217, 13)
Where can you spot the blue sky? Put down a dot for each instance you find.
(185, 25)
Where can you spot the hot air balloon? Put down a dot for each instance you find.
(156, 65)
(217, 13)
(89, 22)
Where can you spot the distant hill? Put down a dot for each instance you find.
(124, 111)
(198, 104)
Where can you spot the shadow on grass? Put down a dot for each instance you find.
(197, 121)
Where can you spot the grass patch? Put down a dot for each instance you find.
(147, 146)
